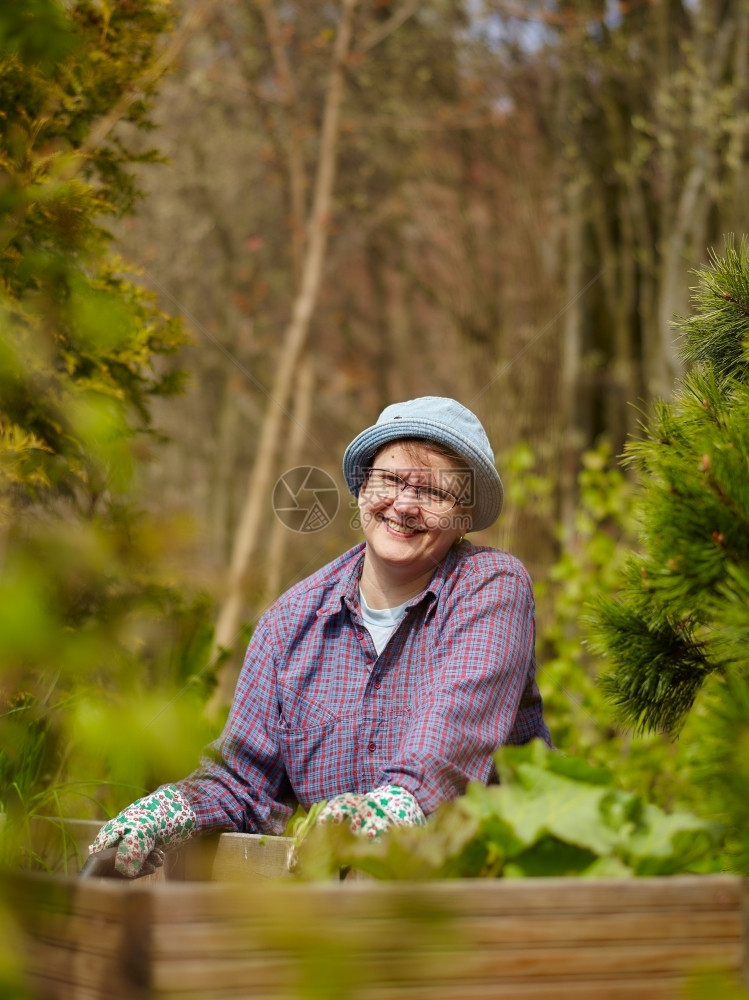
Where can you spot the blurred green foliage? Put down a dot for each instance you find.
(592, 551)
(714, 986)
(103, 648)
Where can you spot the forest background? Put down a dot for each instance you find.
(358, 202)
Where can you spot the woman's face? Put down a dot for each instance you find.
(401, 534)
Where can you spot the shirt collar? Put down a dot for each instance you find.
(346, 591)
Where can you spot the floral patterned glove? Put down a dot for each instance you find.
(373, 813)
(162, 819)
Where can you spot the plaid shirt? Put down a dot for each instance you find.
(316, 712)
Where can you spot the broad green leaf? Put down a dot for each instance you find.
(666, 843)
(548, 857)
(549, 803)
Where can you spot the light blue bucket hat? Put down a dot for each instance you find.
(444, 421)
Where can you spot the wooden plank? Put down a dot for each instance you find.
(480, 897)
(72, 930)
(459, 967)
(83, 960)
(232, 857)
(629, 926)
(46, 900)
(270, 972)
(45, 988)
(246, 856)
(604, 990)
(569, 895)
(69, 966)
(218, 938)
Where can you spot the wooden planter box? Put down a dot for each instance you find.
(234, 925)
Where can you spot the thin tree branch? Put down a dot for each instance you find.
(392, 24)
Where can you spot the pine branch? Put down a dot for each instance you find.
(744, 306)
(717, 332)
(657, 668)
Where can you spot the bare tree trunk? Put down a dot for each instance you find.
(684, 229)
(253, 512)
(572, 348)
(738, 145)
(280, 534)
(294, 151)
(576, 185)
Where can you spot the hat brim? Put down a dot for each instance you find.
(488, 491)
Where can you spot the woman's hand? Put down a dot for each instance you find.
(162, 819)
(374, 812)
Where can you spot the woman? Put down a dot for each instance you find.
(383, 683)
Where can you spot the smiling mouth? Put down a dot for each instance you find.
(401, 529)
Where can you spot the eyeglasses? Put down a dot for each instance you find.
(388, 485)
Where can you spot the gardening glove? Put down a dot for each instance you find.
(162, 819)
(374, 812)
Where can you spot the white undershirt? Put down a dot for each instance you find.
(381, 622)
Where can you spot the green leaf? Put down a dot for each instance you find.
(667, 843)
(550, 857)
(37, 30)
(547, 803)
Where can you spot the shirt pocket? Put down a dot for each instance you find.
(299, 712)
(320, 760)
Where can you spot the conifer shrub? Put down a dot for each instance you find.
(676, 635)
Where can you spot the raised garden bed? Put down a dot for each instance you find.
(228, 922)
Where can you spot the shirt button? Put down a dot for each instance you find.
(378, 684)
(371, 748)
(359, 635)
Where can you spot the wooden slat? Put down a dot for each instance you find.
(599, 990)
(440, 967)
(269, 972)
(79, 931)
(95, 897)
(630, 926)
(226, 939)
(233, 857)
(177, 902)
(45, 988)
(69, 966)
